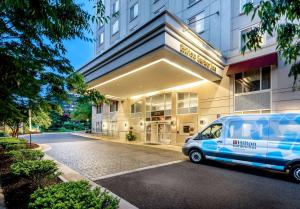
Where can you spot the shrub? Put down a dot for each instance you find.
(25, 154)
(130, 136)
(72, 195)
(3, 134)
(37, 172)
(8, 141)
(15, 146)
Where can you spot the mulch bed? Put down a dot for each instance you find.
(32, 145)
(16, 191)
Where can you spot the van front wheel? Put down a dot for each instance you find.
(196, 156)
(295, 173)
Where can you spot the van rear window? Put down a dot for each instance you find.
(247, 130)
(287, 130)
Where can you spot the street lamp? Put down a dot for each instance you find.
(30, 126)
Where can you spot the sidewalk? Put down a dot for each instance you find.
(69, 174)
(159, 146)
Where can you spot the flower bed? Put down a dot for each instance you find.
(28, 181)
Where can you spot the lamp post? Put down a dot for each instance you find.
(30, 127)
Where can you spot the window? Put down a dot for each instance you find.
(136, 107)
(248, 129)
(101, 38)
(254, 80)
(99, 109)
(115, 27)
(134, 11)
(191, 2)
(158, 107)
(212, 132)
(285, 130)
(113, 106)
(244, 40)
(116, 5)
(266, 78)
(197, 23)
(187, 103)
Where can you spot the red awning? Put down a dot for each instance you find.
(262, 61)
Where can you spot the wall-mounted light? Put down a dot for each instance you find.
(202, 122)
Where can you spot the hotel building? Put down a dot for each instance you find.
(170, 67)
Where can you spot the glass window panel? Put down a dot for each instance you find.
(132, 108)
(266, 78)
(134, 10)
(251, 80)
(148, 104)
(197, 23)
(247, 130)
(138, 107)
(192, 1)
(212, 132)
(168, 101)
(115, 27)
(284, 130)
(238, 83)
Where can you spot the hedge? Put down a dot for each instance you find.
(37, 172)
(8, 142)
(25, 154)
(72, 195)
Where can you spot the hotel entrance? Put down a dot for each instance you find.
(158, 132)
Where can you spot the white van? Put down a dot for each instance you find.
(269, 141)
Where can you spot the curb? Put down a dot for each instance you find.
(164, 147)
(69, 174)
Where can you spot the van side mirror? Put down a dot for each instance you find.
(199, 137)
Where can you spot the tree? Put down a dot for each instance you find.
(82, 112)
(280, 17)
(41, 119)
(34, 71)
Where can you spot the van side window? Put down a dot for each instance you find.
(254, 130)
(212, 132)
(284, 130)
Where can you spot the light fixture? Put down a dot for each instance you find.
(175, 88)
(146, 66)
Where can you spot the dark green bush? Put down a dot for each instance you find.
(72, 195)
(25, 154)
(3, 134)
(7, 142)
(37, 172)
(15, 146)
(130, 136)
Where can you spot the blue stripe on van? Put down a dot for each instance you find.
(255, 159)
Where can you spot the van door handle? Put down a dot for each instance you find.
(219, 142)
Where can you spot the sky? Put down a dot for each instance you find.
(79, 52)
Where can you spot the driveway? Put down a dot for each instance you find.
(205, 186)
(95, 159)
(177, 185)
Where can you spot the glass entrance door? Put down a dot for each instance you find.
(158, 133)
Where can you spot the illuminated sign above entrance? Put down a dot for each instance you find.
(197, 58)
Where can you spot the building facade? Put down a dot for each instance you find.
(170, 67)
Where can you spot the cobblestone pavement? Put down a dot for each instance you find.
(95, 158)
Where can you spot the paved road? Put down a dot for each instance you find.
(210, 186)
(95, 158)
(182, 185)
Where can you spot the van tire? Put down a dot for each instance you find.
(295, 173)
(196, 156)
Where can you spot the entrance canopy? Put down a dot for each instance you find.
(162, 54)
